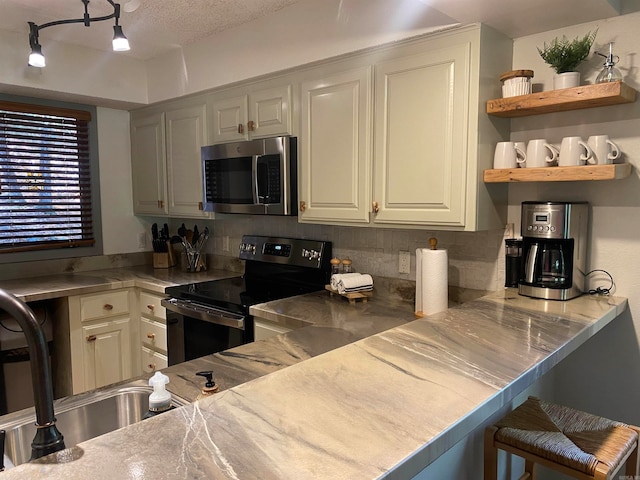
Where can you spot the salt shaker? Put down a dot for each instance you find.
(347, 266)
(335, 266)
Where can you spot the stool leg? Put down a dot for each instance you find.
(529, 468)
(633, 467)
(490, 454)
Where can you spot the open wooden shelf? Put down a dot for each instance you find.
(558, 174)
(585, 96)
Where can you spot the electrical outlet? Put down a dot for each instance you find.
(509, 230)
(225, 243)
(142, 240)
(404, 262)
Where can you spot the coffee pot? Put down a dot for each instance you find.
(554, 237)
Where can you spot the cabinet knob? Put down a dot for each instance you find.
(151, 335)
(375, 206)
(151, 307)
(251, 126)
(152, 366)
(303, 206)
(240, 128)
(108, 306)
(91, 338)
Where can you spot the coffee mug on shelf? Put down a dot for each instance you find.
(574, 151)
(604, 150)
(540, 153)
(508, 155)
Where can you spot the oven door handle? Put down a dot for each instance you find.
(205, 313)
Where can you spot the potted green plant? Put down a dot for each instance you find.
(564, 55)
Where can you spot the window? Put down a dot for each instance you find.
(46, 197)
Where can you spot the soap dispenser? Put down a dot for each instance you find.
(160, 398)
(210, 387)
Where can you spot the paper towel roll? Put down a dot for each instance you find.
(432, 283)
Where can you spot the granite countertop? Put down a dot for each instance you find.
(393, 401)
(32, 289)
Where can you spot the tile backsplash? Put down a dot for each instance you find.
(476, 259)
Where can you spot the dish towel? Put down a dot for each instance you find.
(336, 277)
(360, 282)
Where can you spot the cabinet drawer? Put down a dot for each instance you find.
(104, 305)
(152, 361)
(153, 334)
(150, 305)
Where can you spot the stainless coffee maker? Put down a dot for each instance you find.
(554, 249)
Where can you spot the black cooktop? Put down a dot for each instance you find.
(274, 268)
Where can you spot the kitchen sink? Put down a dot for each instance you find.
(81, 417)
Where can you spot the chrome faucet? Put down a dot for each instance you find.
(47, 439)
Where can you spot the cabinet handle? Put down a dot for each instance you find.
(303, 206)
(160, 204)
(251, 126)
(91, 338)
(151, 335)
(200, 206)
(152, 366)
(376, 209)
(108, 306)
(240, 128)
(151, 307)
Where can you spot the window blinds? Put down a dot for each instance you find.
(45, 183)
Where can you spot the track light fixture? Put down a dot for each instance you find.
(120, 42)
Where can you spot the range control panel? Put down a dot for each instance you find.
(290, 251)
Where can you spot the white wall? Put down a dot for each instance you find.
(72, 73)
(120, 228)
(604, 375)
(302, 33)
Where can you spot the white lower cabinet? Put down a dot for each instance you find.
(100, 338)
(153, 332)
(263, 329)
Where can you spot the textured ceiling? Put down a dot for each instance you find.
(156, 26)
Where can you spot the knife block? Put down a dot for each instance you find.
(164, 259)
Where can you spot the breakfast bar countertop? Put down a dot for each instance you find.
(394, 400)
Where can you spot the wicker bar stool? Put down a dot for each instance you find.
(576, 443)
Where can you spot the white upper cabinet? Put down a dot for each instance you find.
(165, 160)
(148, 164)
(417, 161)
(251, 113)
(186, 133)
(421, 138)
(335, 180)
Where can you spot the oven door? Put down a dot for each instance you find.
(195, 330)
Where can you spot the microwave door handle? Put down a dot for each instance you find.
(254, 178)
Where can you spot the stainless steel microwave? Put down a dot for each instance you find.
(256, 177)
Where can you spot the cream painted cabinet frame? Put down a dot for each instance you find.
(264, 112)
(431, 136)
(335, 165)
(101, 332)
(421, 138)
(153, 332)
(149, 163)
(166, 164)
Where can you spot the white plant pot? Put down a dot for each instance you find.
(566, 80)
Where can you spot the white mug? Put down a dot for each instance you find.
(604, 150)
(574, 151)
(540, 153)
(508, 155)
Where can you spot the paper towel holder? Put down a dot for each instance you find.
(433, 243)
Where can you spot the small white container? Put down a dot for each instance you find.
(516, 82)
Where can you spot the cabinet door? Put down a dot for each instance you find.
(148, 164)
(107, 353)
(186, 132)
(229, 119)
(421, 138)
(270, 112)
(335, 148)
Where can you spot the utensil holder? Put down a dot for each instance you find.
(193, 261)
